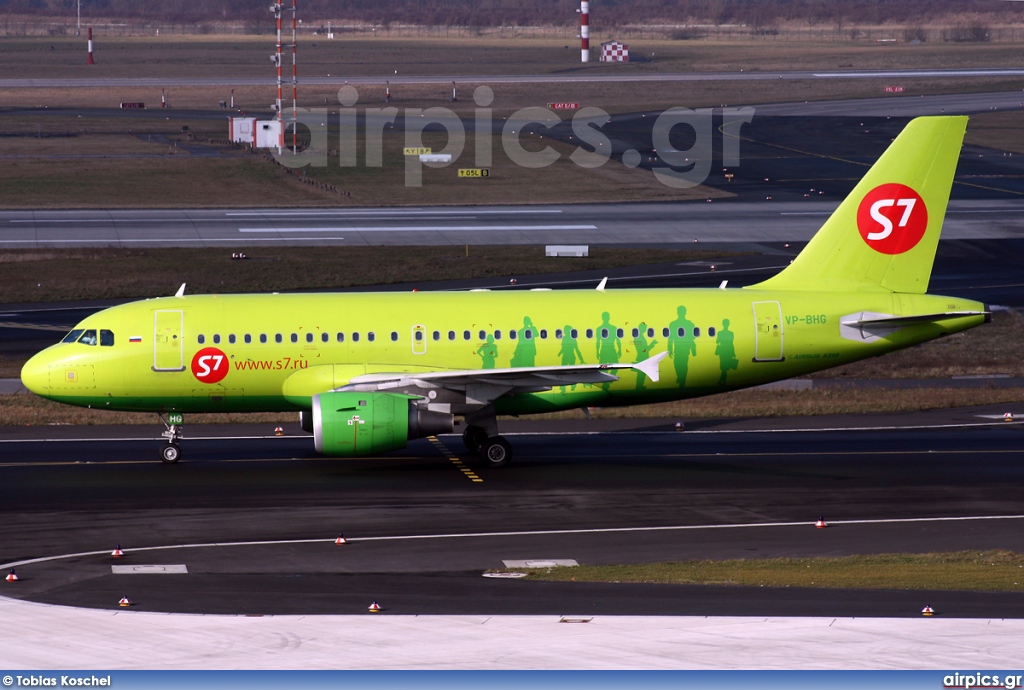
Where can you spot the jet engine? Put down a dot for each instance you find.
(354, 424)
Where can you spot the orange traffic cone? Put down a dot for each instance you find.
(125, 601)
(821, 524)
(278, 431)
(927, 611)
(117, 552)
(12, 576)
(341, 540)
(374, 607)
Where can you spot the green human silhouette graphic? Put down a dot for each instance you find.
(525, 353)
(609, 345)
(643, 351)
(726, 351)
(681, 344)
(488, 352)
(569, 351)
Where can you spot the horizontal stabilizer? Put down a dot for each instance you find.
(898, 321)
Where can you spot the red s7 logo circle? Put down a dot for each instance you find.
(892, 218)
(210, 365)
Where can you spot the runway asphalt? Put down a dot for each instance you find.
(268, 511)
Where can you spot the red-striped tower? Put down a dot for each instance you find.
(295, 79)
(276, 7)
(585, 30)
(90, 47)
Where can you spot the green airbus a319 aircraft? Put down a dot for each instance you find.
(369, 371)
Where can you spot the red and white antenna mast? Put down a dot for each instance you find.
(585, 31)
(90, 47)
(277, 58)
(295, 79)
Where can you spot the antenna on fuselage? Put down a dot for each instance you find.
(604, 281)
(181, 291)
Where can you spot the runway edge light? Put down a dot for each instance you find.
(125, 601)
(117, 552)
(927, 611)
(341, 540)
(821, 524)
(1008, 417)
(12, 576)
(374, 607)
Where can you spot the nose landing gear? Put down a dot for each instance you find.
(170, 452)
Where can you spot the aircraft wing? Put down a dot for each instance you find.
(518, 379)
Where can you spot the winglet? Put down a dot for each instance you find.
(181, 291)
(604, 281)
(650, 366)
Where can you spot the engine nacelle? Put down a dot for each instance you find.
(350, 424)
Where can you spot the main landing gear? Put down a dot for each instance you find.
(170, 452)
(493, 450)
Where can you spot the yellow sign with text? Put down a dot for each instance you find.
(474, 172)
(417, 151)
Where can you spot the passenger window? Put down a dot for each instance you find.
(558, 333)
(696, 332)
(355, 337)
(89, 337)
(371, 336)
(309, 337)
(528, 334)
(73, 336)
(604, 332)
(200, 338)
(497, 335)
(437, 335)
(711, 332)
(483, 335)
(590, 333)
(231, 338)
(650, 332)
(680, 332)
(341, 337)
(575, 333)
(619, 332)
(106, 338)
(295, 337)
(636, 332)
(216, 338)
(665, 331)
(419, 336)
(451, 335)
(543, 334)
(466, 335)
(394, 336)
(278, 338)
(512, 335)
(248, 338)
(263, 338)
(324, 337)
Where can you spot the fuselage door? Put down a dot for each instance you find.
(768, 332)
(419, 340)
(168, 345)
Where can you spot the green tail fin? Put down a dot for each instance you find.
(884, 234)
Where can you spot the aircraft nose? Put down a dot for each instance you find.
(35, 375)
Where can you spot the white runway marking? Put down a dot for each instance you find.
(526, 533)
(429, 228)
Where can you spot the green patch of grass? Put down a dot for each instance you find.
(994, 570)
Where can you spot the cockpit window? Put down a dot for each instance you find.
(73, 336)
(106, 338)
(89, 337)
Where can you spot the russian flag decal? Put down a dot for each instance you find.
(135, 339)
